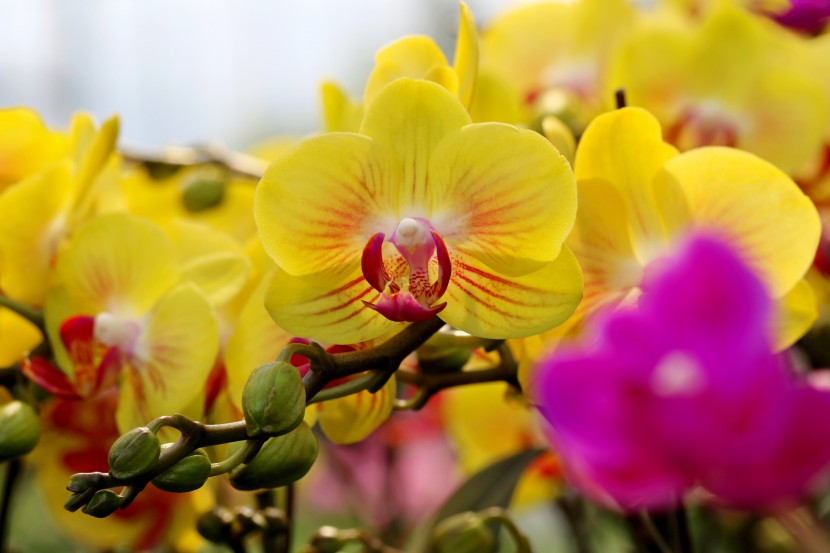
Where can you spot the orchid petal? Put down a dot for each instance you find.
(350, 419)
(173, 357)
(329, 208)
(412, 56)
(340, 113)
(625, 148)
(490, 305)
(326, 310)
(120, 263)
(465, 61)
(32, 229)
(412, 117)
(506, 196)
(17, 337)
(797, 311)
(256, 339)
(26, 145)
(736, 194)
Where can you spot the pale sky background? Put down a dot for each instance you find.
(195, 71)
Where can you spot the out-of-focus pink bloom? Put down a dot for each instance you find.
(809, 16)
(397, 476)
(682, 392)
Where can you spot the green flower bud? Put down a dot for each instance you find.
(82, 482)
(273, 400)
(215, 525)
(462, 533)
(203, 194)
(282, 460)
(103, 504)
(19, 430)
(133, 454)
(187, 475)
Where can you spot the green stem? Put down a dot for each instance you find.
(31, 314)
(359, 384)
(500, 515)
(246, 451)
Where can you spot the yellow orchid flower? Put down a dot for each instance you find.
(551, 58)
(27, 146)
(120, 316)
(416, 57)
(638, 197)
(42, 210)
(421, 213)
(735, 79)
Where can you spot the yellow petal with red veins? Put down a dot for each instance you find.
(602, 245)
(626, 148)
(752, 203)
(26, 145)
(350, 419)
(503, 195)
(120, 263)
(256, 339)
(412, 56)
(797, 311)
(32, 230)
(17, 336)
(318, 205)
(465, 61)
(331, 312)
(412, 117)
(172, 359)
(487, 304)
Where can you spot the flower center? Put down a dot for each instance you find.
(407, 294)
(677, 374)
(114, 331)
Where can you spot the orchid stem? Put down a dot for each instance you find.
(31, 314)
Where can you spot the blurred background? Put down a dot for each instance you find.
(195, 71)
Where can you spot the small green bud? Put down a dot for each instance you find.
(215, 525)
(273, 400)
(462, 533)
(281, 461)
(76, 501)
(103, 504)
(203, 194)
(133, 454)
(19, 430)
(82, 482)
(187, 475)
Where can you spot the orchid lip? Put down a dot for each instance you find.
(408, 297)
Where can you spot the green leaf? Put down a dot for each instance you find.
(493, 486)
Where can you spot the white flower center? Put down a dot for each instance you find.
(676, 374)
(411, 234)
(115, 331)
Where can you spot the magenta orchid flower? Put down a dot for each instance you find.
(683, 392)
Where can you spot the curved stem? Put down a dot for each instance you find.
(250, 447)
(31, 314)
